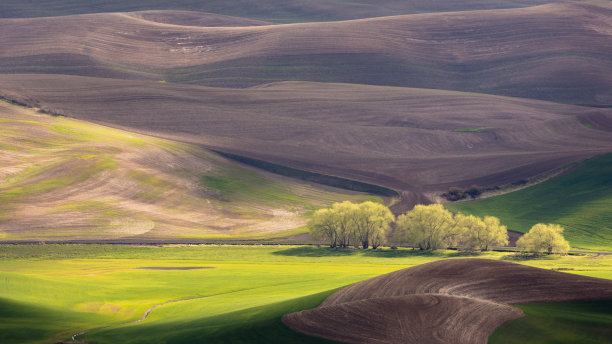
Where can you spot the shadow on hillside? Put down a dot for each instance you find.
(398, 253)
(464, 254)
(308, 251)
(517, 257)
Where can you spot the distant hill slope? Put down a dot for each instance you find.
(580, 201)
(558, 52)
(412, 140)
(64, 179)
(274, 10)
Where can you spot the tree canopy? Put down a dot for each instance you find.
(544, 238)
(428, 227)
(345, 224)
(478, 234)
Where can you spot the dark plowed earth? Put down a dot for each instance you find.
(558, 52)
(421, 318)
(449, 301)
(484, 279)
(395, 137)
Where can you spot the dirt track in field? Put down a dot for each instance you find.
(401, 138)
(449, 301)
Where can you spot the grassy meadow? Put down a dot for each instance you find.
(237, 293)
(562, 322)
(580, 201)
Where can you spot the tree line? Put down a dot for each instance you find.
(426, 227)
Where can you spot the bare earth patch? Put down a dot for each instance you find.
(400, 138)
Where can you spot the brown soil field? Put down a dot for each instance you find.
(449, 301)
(419, 318)
(485, 279)
(276, 10)
(187, 18)
(557, 52)
(411, 140)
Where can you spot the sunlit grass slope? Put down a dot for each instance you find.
(580, 201)
(64, 179)
(49, 292)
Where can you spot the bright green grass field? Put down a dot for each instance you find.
(49, 292)
(580, 201)
(585, 322)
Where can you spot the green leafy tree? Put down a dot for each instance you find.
(477, 234)
(544, 238)
(344, 214)
(347, 223)
(428, 227)
(334, 224)
(323, 226)
(371, 224)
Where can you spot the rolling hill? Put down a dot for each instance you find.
(448, 301)
(411, 140)
(580, 201)
(279, 11)
(556, 52)
(64, 180)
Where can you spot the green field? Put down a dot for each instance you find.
(580, 201)
(49, 292)
(563, 322)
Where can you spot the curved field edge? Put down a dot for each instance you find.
(65, 179)
(559, 322)
(254, 325)
(459, 301)
(579, 200)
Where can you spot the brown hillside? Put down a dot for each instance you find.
(449, 301)
(188, 18)
(419, 318)
(396, 137)
(277, 10)
(63, 179)
(559, 51)
(484, 279)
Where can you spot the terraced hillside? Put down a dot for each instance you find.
(411, 140)
(557, 52)
(580, 201)
(63, 179)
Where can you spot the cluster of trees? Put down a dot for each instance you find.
(432, 227)
(428, 227)
(456, 194)
(346, 224)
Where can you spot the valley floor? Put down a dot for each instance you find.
(230, 292)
